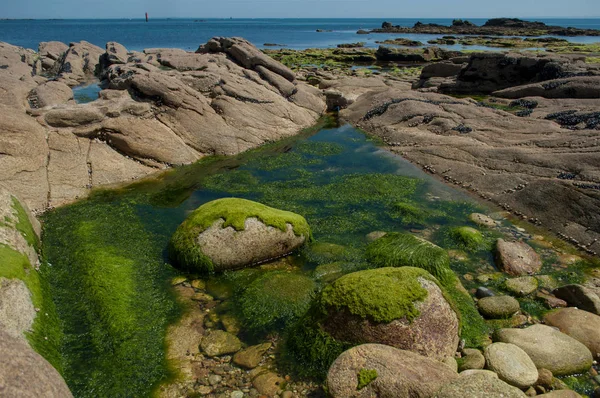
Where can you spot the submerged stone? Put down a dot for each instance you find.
(402, 249)
(218, 342)
(234, 233)
(274, 300)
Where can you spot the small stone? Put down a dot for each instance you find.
(250, 357)
(287, 394)
(198, 284)
(522, 286)
(219, 342)
(551, 301)
(544, 378)
(375, 235)
(451, 362)
(178, 280)
(202, 297)
(531, 392)
(213, 380)
(482, 278)
(482, 220)
(237, 394)
(498, 307)
(473, 359)
(268, 383)
(204, 390)
(511, 364)
(482, 292)
(517, 258)
(230, 323)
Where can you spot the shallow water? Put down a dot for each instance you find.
(109, 265)
(87, 93)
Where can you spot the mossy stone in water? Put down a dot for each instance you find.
(275, 300)
(197, 243)
(468, 238)
(498, 307)
(381, 295)
(402, 249)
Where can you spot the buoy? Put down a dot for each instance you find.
(146, 17)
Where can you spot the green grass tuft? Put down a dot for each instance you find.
(469, 239)
(402, 249)
(366, 377)
(275, 300)
(382, 294)
(234, 211)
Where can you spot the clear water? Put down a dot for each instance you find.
(188, 34)
(87, 93)
(344, 185)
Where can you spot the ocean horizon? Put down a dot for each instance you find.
(189, 33)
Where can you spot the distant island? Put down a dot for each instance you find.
(494, 26)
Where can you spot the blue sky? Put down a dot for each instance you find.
(298, 8)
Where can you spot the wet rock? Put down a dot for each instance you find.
(579, 296)
(441, 69)
(549, 349)
(250, 357)
(482, 220)
(522, 286)
(498, 307)
(398, 373)
(218, 342)
(517, 258)
(268, 383)
(230, 233)
(482, 292)
(581, 325)
(472, 359)
(358, 311)
(24, 373)
(479, 385)
(511, 364)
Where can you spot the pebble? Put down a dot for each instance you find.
(237, 394)
(213, 380)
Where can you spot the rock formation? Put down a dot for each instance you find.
(162, 107)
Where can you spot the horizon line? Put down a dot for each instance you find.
(323, 18)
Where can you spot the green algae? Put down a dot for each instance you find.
(275, 300)
(234, 212)
(24, 226)
(466, 238)
(402, 249)
(46, 334)
(382, 294)
(112, 293)
(366, 377)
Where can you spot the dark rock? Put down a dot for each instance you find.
(579, 296)
(484, 292)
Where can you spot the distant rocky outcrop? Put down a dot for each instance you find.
(495, 26)
(162, 107)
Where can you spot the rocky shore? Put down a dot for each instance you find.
(391, 318)
(494, 27)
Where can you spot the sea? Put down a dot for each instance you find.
(188, 34)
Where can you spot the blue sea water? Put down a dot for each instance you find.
(188, 34)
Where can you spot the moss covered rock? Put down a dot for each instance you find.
(275, 300)
(234, 233)
(401, 249)
(401, 307)
(468, 238)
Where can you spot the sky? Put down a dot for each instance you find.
(299, 8)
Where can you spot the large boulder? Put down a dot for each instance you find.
(579, 296)
(400, 307)
(441, 69)
(570, 87)
(517, 258)
(550, 349)
(50, 93)
(491, 72)
(78, 64)
(234, 233)
(26, 374)
(377, 370)
(50, 52)
(581, 325)
(16, 308)
(511, 364)
(479, 385)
